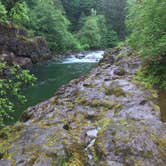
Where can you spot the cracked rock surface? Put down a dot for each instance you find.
(103, 119)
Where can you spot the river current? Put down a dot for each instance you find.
(55, 73)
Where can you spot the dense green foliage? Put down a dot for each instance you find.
(19, 13)
(115, 14)
(95, 34)
(10, 89)
(3, 13)
(69, 25)
(90, 33)
(51, 24)
(146, 22)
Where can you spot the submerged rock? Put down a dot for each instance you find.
(99, 120)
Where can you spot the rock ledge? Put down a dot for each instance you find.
(104, 119)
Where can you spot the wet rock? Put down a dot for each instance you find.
(101, 119)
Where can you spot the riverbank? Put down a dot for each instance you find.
(104, 118)
(17, 48)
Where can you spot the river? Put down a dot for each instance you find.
(55, 73)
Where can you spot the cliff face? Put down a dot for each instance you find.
(102, 119)
(17, 48)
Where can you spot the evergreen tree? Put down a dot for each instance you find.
(19, 13)
(94, 33)
(51, 24)
(115, 14)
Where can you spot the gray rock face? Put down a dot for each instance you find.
(103, 119)
(11, 59)
(15, 40)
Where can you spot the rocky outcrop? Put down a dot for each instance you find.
(104, 119)
(17, 48)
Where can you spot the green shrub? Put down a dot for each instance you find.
(3, 13)
(10, 89)
(146, 22)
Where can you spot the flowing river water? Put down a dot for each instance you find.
(55, 73)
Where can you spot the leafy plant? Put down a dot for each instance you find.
(146, 21)
(51, 24)
(94, 33)
(3, 13)
(10, 89)
(19, 13)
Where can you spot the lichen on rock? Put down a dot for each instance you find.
(102, 119)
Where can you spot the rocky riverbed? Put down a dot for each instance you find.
(103, 119)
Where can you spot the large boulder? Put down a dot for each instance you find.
(15, 40)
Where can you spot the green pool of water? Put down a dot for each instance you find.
(50, 77)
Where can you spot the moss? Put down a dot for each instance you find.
(138, 163)
(118, 92)
(70, 105)
(103, 123)
(107, 104)
(162, 146)
(121, 55)
(88, 85)
(51, 140)
(81, 101)
(161, 143)
(156, 108)
(147, 81)
(62, 162)
(75, 160)
(7, 136)
(76, 154)
(147, 154)
(102, 103)
(94, 154)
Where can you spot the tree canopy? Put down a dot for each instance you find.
(66, 25)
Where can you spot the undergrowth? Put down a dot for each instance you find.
(152, 75)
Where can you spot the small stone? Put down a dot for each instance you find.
(92, 133)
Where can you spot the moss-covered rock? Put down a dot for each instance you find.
(103, 119)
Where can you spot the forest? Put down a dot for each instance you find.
(69, 25)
